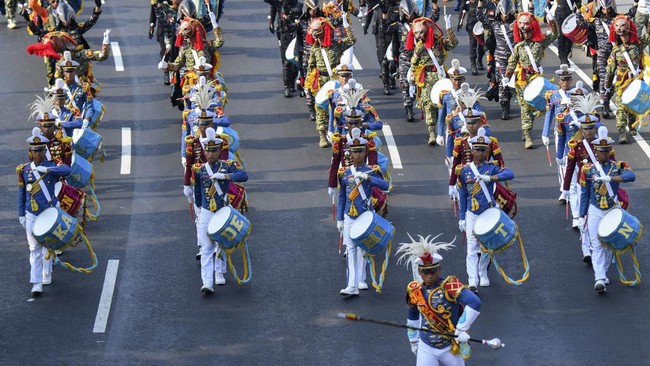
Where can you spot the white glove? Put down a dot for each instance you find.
(345, 20)
(213, 20)
(505, 82)
(339, 226)
(85, 124)
(560, 162)
(361, 175)
(453, 192)
(107, 39)
(362, 12)
(484, 177)
(22, 221)
(57, 123)
(565, 101)
(218, 176)
(606, 178)
(448, 21)
(566, 194)
(162, 65)
(331, 192)
(414, 347)
(183, 162)
(440, 140)
(581, 224)
(549, 16)
(41, 169)
(187, 191)
(545, 140)
(461, 336)
(461, 225)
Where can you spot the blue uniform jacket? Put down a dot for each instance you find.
(26, 177)
(448, 106)
(81, 101)
(347, 185)
(471, 195)
(594, 192)
(565, 130)
(203, 183)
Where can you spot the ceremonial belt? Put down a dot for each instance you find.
(629, 63)
(327, 61)
(505, 35)
(438, 70)
(486, 192)
(214, 182)
(362, 193)
(599, 168)
(532, 59)
(48, 197)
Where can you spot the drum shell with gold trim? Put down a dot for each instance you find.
(495, 230)
(70, 198)
(228, 227)
(535, 93)
(86, 143)
(371, 232)
(236, 195)
(54, 228)
(573, 31)
(619, 229)
(81, 172)
(636, 97)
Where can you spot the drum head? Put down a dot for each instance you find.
(58, 186)
(610, 222)
(361, 224)
(478, 29)
(44, 221)
(438, 87)
(76, 135)
(631, 92)
(534, 88)
(219, 219)
(321, 96)
(487, 221)
(569, 24)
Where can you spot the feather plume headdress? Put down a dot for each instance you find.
(353, 97)
(587, 104)
(422, 252)
(41, 109)
(470, 99)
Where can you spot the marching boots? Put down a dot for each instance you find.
(432, 135)
(480, 65)
(474, 70)
(166, 80)
(312, 112)
(622, 136)
(322, 134)
(387, 90)
(630, 125)
(409, 113)
(505, 110)
(287, 93)
(606, 110)
(529, 139)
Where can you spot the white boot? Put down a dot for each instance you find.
(37, 289)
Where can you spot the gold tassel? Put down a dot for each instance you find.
(213, 205)
(353, 211)
(33, 204)
(603, 202)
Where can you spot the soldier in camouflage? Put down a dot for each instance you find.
(312, 12)
(408, 12)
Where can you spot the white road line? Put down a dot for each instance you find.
(107, 296)
(355, 63)
(392, 147)
(117, 55)
(126, 151)
(587, 80)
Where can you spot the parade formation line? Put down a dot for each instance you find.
(392, 147)
(126, 151)
(117, 55)
(106, 298)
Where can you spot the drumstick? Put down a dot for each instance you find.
(333, 210)
(454, 204)
(340, 242)
(548, 155)
(192, 214)
(566, 209)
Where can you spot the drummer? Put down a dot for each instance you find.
(476, 50)
(473, 201)
(449, 104)
(58, 148)
(36, 181)
(529, 40)
(596, 185)
(211, 181)
(355, 192)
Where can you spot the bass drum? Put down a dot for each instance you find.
(438, 87)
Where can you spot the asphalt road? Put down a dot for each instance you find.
(286, 315)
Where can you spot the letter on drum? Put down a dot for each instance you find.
(67, 201)
(60, 232)
(234, 227)
(625, 230)
(500, 230)
(375, 237)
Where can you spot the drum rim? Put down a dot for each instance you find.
(614, 213)
(489, 210)
(358, 221)
(45, 214)
(623, 99)
(217, 216)
(534, 82)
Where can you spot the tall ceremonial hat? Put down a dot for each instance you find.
(480, 141)
(578, 89)
(59, 90)
(41, 110)
(65, 12)
(353, 96)
(203, 99)
(201, 67)
(37, 141)
(565, 72)
(602, 142)
(67, 63)
(587, 104)
(423, 252)
(357, 142)
(344, 70)
(211, 142)
(470, 98)
(456, 71)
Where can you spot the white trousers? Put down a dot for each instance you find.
(574, 195)
(601, 256)
(355, 259)
(476, 267)
(429, 356)
(39, 266)
(209, 262)
(197, 221)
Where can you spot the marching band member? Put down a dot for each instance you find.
(525, 61)
(450, 104)
(599, 186)
(429, 52)
(625, 64)
(469, 9)
(59, 147)
(356, 182)
(440, 304)
(211, 182)
(36, 181)
(384, 28)
(312, 12)
(162, 18)
(77, 96)
(408, 12)
(476, 197)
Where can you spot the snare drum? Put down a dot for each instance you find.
(619, 230)
(371, 232)
(98, 115)
(506, 199)
(228, 227)
(477, 32)
(290, 53)
(86, 143)
(535, 93)
(70, 198)
(636, 97)
(81, 172)
(576, 33)
(322, 98)
(236, 195)
(495, 230)
(54, 227)
(438, 87)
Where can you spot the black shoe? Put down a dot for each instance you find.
(167, 79)
(587, 260)
(505, 113)
(606, 114)
(409, 114)
(312, 115)
(287, 93)
(387, 90)
(480, 66)
(473, 289)
(456, 9)
(474, 70)
(293, 89)
(302, 93)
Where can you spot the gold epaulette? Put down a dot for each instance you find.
(494, 139)
(341, 172)
(459, 169)
(586, 167)
(413, 286)
(19, 172)
(338, 111)
(197, 167)
(452, 287)
(189, 139)
(375, 168)
(572, 143)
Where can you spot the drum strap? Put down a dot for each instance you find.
(48, 154)
(571, 112)
(327, 61)
(362, 193)
(630, 64)
(486, 192)
(439, 71)
(505, 35)
(599, 167)
(41, 183)
(532, 59)
(214, 182)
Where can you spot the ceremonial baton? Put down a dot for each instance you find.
(334, 210)
(340, 242)
(192, 214)
(495, 343)
(454, 204)
(548, 156)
